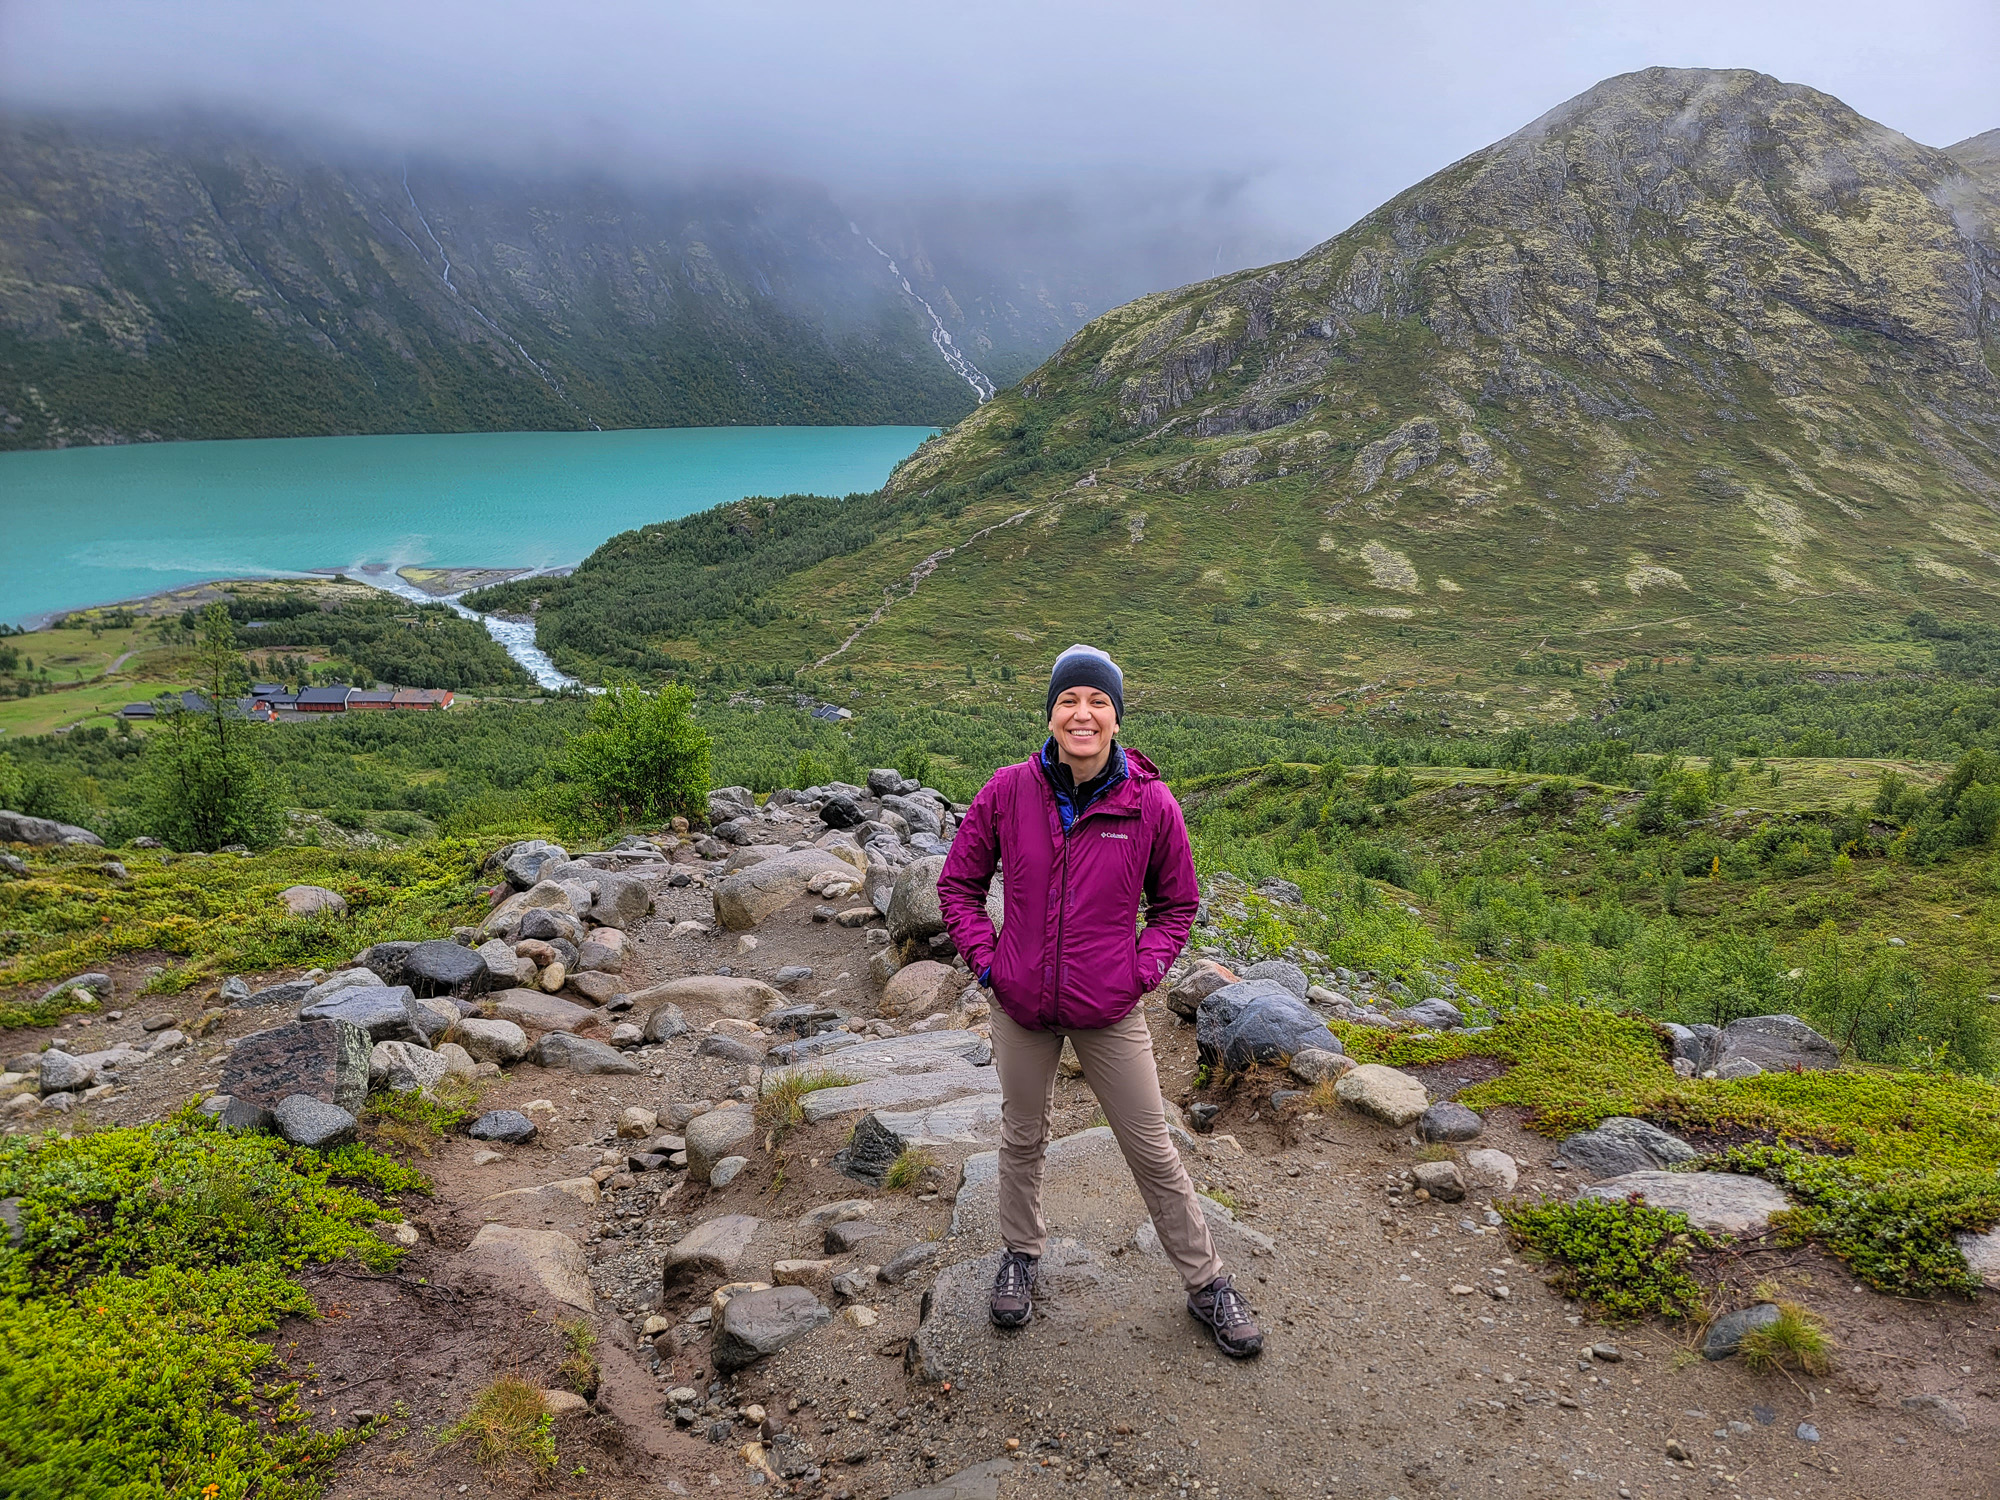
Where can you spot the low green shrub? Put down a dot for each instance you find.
(148, 1260)
(1895, 1231)
(1625, 1259)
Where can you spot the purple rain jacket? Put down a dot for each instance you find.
(1069, 955)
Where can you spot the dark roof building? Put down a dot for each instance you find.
(325, 700)
(371, 699)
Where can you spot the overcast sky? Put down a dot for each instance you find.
(1318, 111)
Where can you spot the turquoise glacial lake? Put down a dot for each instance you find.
(82, 526)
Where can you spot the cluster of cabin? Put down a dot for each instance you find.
(273, 700)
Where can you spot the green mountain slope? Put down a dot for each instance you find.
(1699, 362)
(201, 282)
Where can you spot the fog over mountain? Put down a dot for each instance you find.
(1023, 170)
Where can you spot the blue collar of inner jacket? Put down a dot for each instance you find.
(1073, 801)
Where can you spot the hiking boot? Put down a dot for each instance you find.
(1227, 1315)
(1012, 1305)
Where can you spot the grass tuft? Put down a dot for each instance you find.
(1797, 1340)
(578, 1371)
(782, 1106)
(908, 1169)
(411, 1124)
(507, 1420)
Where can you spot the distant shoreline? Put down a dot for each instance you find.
(438, 582)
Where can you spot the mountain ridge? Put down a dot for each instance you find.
(1697, 362)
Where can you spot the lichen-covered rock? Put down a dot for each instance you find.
(914, 909)
(405, 1068)
(1777, 1044)
(491, 1039)
(310, 900)
(562, 1049)
(306, 1121)
(327, 1059)
(1719, 1202)
(1282, 970)
(744, 899)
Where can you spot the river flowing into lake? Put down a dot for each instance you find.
(517, 637)
(86, 526)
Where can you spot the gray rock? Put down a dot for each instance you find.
(1689, 1046)
(549, 925)
(791, 974)
(711, 1250)
(1258, 1021)
(311, 900)
(405, 1068)
(1286, 973)
(388, 1013)
(727, 802)
(1719, 1202)
(883, 1135)
(914, 910)
(1441, 1179)
(60, 1073)
(508, 1126)
(1487, 1170)
(564, 1049)
(1447, 1121)
(98, 986)
(756, 1324)
(1282, 891)
(491, 1040)
(809, 1047)
(1777, 1044)
(19, 828)
(291, 992)
(724, 1172)
(841, 811)
(1622, 1144)
(750, 895)
(341, 981)
(847, 1235)
(498, 956)
(617, 900)
(525, 862)
(306, 1121)
(1185, 995)
(665, 1022)
(730, 1049)
(544, 1259)
(884, 780)
(234, 992)
(1805, 1432)
(1732, 1068)
(711, 1137)
(906, 1262)
(1725, 1334)
(1317, 1065)
(1438, 1015)
(1982, 1254)
(13, 864)
(326, 1059)
(920, 813)
(386, 960)
(447, 968)
(1388, 1095)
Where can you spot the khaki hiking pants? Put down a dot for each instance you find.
(1118, 1064)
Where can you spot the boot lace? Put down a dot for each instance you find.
(1227, 1307)
(1012, 1280)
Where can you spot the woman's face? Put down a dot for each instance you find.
(1083, 723)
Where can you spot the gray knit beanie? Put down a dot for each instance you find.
(1086, 666)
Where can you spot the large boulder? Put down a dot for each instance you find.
(1449, 1121)
(1622, 1144)
(914, 909)
(1437, 1015)
(508, 1126)
(311, 900)
(736, 996)
(711, 1137)
(443, 967)
(602, 951)
(386, 959)
(884, 1134)
(921, 988)
(342, 979)
(327, 1059)
(501, 966)
(755, 1324)
(562, 1049)
(19, 828)
(729, 802)
(525, 862)
(1257, 1021)
(1719, 1202)
(388, 1013)
(64, 1073)
(921, 813)
(490, 1039)
(744, 899)
(1393, 1097)
(1777, 1044)
(616, 900)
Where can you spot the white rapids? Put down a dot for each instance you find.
(515, 637)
